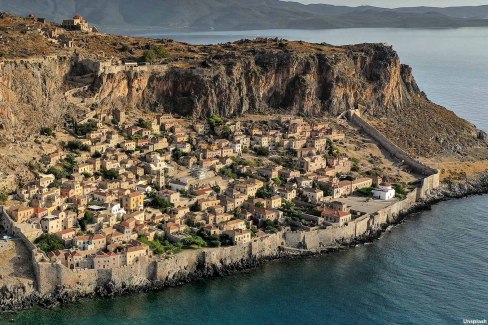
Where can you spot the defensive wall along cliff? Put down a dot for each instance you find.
(157, 270)
(182, 266)
(398, 153)
(318, 239)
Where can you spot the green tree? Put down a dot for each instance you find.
(97, 154)
(160, 203)
(144, 124)
(76, 145)
(215, 120)
(225, 240)
(264, 192)
(110, 174)
(227, 172)
(156, 245)
(49, 243)
(86, 220)
(400, 190)
(84, 129)
(58, 173)
(277, 181)
(155, 53)
(211, 240)
(365, 191)
(261, 151)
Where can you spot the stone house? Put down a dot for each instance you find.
(239, 236)
(77, 23)
(248, 187)
(21, 214)
(133, 201)
(313, 195)
(336, 217)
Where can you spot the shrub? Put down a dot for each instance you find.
(215, 122)
(156, 245)
(264, 192)
(211, 240)
(177, 154)
(3, 196)
(86, 220)
(84, 129)
(355, 168)
(261, 151)
(193, 241)
(58, 173)
(47, 132)
(75, 145)
(225, 240)
(144, 124)
(160, 203)
(227, 172)
(68, 164)
(154, 53)
(277, 181)
(49, 243)
(110, 174)
(400, 190)
(365, 191)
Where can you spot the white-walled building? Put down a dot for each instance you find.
(384, 192)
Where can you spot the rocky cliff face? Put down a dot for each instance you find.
(273, 80)
(263, 76)
(31, 95)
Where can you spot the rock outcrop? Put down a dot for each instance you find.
(246, 77)
(276, 80)
(32, 95)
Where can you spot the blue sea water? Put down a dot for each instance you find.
(431, 270)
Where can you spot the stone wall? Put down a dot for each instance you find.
(389, 146)
(160, 270)
(184, 265)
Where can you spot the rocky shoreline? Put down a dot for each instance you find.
(12, 301)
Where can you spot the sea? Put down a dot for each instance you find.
(433, 269)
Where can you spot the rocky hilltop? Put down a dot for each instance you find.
(273, 76)
(259, 76)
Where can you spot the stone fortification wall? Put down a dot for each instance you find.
(161, 270)
(259, 248)
(106, 67)
(389, 146)
(431, 178)
(174, 269)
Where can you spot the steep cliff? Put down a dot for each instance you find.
(31, 95)
(269, 76)
(262, 76)
(272, 79)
